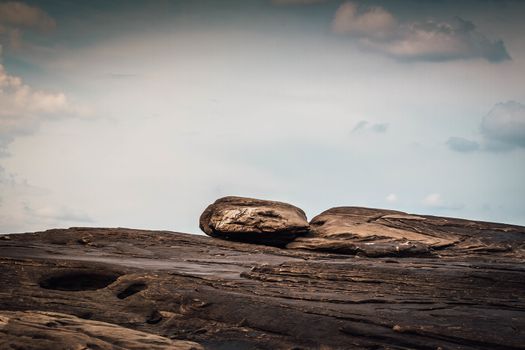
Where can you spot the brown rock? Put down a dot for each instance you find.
(379, 232)
(229, 295)
(38, 330)
(253, 221)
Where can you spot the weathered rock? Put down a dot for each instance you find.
(229, 295)
(379, 232)
(37, 330)
(253, 221)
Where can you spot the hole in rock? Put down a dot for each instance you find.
(131, 289)
(79, 281)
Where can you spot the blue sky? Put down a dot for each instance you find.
(140, 113)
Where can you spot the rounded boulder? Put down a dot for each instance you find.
(253, 221)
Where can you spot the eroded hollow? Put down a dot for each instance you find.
(131, 289)
(79, 281)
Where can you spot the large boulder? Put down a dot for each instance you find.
(253, 221)
(374, 233)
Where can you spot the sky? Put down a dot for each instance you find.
(141, 113)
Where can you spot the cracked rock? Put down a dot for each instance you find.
(371, 232)
(40, 330)
(253, 221)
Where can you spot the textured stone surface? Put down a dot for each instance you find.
(55, 331)
(253, 220)
(379, 232)
(230, 295)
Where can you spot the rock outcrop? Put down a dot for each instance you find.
(253, 221)
(380, 232)
(37, 330)
(128, 287)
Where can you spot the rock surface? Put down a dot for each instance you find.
(39, 330)
(253, 220)
(379, 232)
(230, 295)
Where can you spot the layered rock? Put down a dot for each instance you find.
(228, 295)
(254, 221)
(379, 232)
(38, 330)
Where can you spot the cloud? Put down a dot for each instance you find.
(366, 126)
(505, 124)
(24, 206)
(379, 127)
(14, 191)
(20, 217)
(27, 207)
(376, 29)
(374, 23)
(297, 2)
(18, 14)
(460, 144)
(54, 214)
(391, 198)
(435, 201)
(23, 108)
(15, 17)
(502, 130)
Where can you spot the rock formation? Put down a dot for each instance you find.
(379, 232)
(39, 330)
(461, 286)
(354, 230)
(254, 221)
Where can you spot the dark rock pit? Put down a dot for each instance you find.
(79, 281)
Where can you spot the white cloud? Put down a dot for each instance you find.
(433, 200)
(505, 123)
(391, 198)
(58, 214)
(502, 129)
(378, 30)
(160, 172)
(20, 216)
(374, 22)
(24, 108)
(436, 202)
(26, 207)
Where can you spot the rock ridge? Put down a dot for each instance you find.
(253, 220)
(355, 230)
